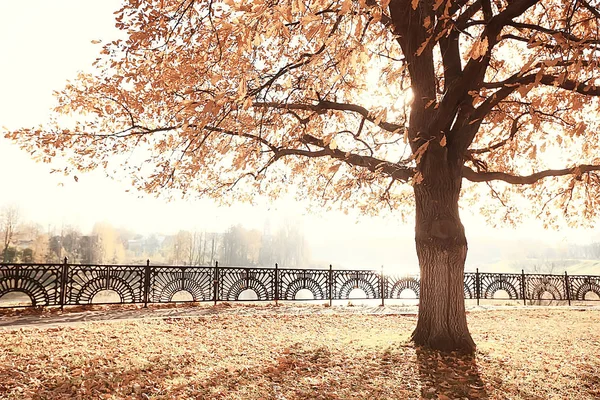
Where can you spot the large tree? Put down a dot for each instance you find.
(366, 103)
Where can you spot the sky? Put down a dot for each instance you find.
(43, 44)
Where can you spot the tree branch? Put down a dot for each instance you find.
(590, 8)
(548, 31)
(323, 106)
(548, 80)
(474, 71)
(397, 171)
(514, 128)
(474, 176)
(463, 18)
(304, 59)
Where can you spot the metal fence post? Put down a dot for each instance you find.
(330, 283)
(477, 289)
(216, 283)
(382, 288)
(523, 291)
(63, 284)
(276, 284)
(567, 288)
(147, 284)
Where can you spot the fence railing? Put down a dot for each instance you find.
(75, 284)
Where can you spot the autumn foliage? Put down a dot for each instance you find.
(345, 102)
(330, 354)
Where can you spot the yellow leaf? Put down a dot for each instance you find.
(418, 178)
(345, 7)
(423, 46)
(420, 151)
(334, 168)
(523, 90)
(242, 90)
(427, 22)
(301, 6)
(414, 4)
(479, 48)
(443, 141)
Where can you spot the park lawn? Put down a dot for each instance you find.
(522, 354)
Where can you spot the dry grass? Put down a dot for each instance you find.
(523, 354)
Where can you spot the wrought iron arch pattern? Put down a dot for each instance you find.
(291, 281)
(40, 282)
(345, 281)
(170, 289)
(233, 281)
(581, 285)
(242, 285)
(537, 285)
(44, 283)
(96, 285)
(491, 283)
(398, 284)
(470, 285)
(85, 281)
(36, 292)
(166, 281)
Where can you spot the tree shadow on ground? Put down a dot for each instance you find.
(302, 371)
(316, 373)
(449, 375)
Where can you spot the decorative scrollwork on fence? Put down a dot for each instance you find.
(397, 284)
(67, 284)
(165, 282)
(41, 283)
(291, 281)
(346, 281)
(470, 285)
(581, 285)
(234, 281)
(491, 283)
(537, 285)
(85, 281)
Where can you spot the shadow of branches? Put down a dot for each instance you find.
(449, 375)
(301, 371)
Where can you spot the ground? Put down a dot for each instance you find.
(249, 352)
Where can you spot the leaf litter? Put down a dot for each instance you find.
(522, 354)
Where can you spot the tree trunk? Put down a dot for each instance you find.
(442, 250)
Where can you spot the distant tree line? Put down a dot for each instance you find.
(105, 244)
(589, 251)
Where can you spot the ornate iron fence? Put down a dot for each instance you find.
(74, 284)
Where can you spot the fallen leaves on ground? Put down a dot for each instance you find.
(522, 354)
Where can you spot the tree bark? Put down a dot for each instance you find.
(442, 250)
